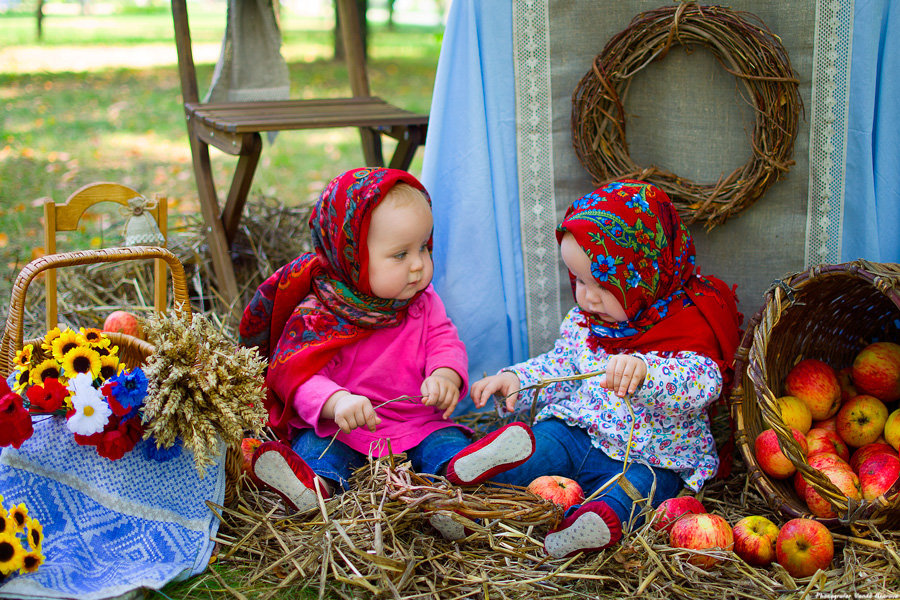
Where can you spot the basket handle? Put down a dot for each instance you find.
(13, 334)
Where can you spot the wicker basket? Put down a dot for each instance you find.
(829, 312)
(132, 351)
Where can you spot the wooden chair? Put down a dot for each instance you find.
(66, 216)
(235, 127)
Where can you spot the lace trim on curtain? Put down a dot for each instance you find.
(537, 206)
(828, 130)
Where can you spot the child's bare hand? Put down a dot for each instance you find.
(441, 392)
(352, 411)
(624, 374)
(506, 384)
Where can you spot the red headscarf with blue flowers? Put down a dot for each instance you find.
(642, 253)
(321, 301)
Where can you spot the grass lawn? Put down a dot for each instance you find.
(99, 100)
(67, 122)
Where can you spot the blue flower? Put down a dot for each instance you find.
(633, 279)
(603, 267)
(152, 452)
(127, 390)
(638, 203)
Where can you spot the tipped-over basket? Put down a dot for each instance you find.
(829, 313)
(133, 351)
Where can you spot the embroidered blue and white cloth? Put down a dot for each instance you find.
(110, 527)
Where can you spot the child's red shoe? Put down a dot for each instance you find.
(591, 527)
(279, 468)
(500, 451)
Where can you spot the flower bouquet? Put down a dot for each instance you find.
(21, 541)
(76, 375)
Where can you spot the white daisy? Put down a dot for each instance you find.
(91, 410)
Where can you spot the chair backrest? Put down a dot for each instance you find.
(66, 217)
(351, 34)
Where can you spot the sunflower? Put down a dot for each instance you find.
(110, 366)
(31, 560)
(108, 350)
(67, 340)
(95, 337)
(23, 377)
(48, 368)
(19, 516)
(7, 525)
(82, 359)
(11, 553)
(23, 357)
(35, 534)
(47, 344)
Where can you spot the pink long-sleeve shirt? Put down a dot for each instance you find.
(387, 364)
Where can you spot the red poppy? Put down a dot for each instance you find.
(48, 397)
(15, 422)
(117, 438)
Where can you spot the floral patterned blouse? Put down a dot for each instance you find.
(671, 426)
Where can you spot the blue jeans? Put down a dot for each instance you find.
(564, 450)
(338, 463)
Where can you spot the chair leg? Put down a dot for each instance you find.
(215, 232)
(240, 184)
(407, 144)
(371, 146)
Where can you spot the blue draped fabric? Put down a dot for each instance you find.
(469, 168)
(872, 186)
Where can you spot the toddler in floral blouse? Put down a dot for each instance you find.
(665, 337)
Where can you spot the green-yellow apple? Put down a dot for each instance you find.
(876, 371)
(844, 479)
(892, 429)
(861, 454)
(701, 532)
(770, 457)
(555, 488)
(877, 474)
(794, 413)
(861, 420)
(803, 547)
(816, 383)
(670, 509)
(825, 440)
(754, 540)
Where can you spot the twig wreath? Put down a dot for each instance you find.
(747, 49)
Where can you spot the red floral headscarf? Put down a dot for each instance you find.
(643, 254)
(321, 301)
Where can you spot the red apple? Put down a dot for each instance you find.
(561, 490)
(701, 532)
(770, 457)
(754, 540)
(800, 485)
(861, 420)
(830, 424)
(892, 429)
(861, 454)
(671, 509)
(803, 547)
(824, 440)
(794, 413)
(876, 371)
(123, 322)
(844, 479)
(877, 474)
(248, 447)
(845, 378)
(816, 383)
(824, 460)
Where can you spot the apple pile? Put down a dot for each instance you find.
(846, 422)
(801, 546)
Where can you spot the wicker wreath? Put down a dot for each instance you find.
(747, 49)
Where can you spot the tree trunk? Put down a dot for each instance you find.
(39, 14)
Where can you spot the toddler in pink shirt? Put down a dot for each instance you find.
(363, 359)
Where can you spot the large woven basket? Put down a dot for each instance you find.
(132, 351)
(829, 312)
